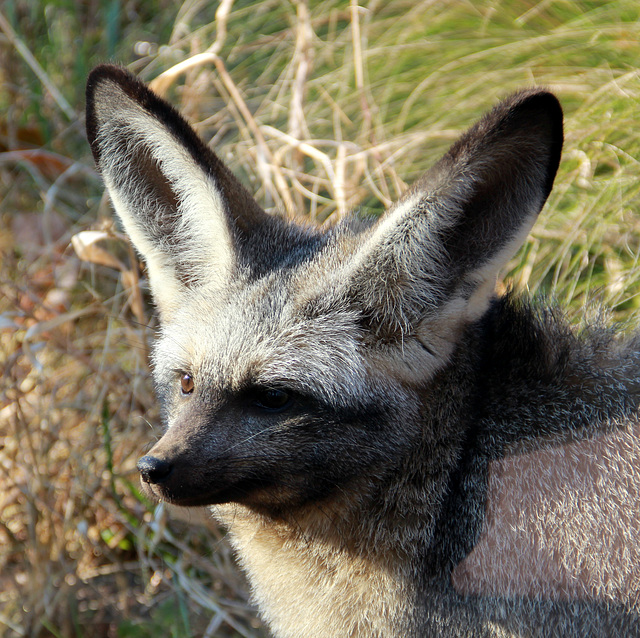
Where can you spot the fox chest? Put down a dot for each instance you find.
(305, 587)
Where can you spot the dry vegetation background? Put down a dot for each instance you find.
(319, 107)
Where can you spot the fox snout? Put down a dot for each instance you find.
(180, 471)
(174, 480)
(154, 470)
(157, 477)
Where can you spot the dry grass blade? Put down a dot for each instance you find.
(36, 68)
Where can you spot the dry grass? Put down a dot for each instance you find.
(319, 108)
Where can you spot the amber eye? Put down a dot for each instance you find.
(186, 383)
(272, 400)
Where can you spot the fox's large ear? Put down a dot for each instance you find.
(438, 250)
(183, 209)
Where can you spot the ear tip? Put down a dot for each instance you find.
(537, 110)
(114, 75)
(120, 79)
(539, 103)
(107, 73)
(539, 95)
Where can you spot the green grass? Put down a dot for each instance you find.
(321, 109)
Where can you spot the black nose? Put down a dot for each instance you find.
(154, 470)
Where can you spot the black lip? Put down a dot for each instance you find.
(237, 493)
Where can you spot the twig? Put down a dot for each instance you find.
(222, 16)
(302, 61)
(165, 80)
(304, 147)
(341, 198)
(303, 57)
(162, 83)
(281, 184)
(358, 63)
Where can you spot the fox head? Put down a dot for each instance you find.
(291, 360)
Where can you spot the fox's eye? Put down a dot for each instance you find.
(272, 399)
(186, 383)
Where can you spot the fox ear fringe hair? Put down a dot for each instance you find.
(139, 93)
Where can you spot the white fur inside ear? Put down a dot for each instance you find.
(165, 284)
(402, 254)
(200, 231)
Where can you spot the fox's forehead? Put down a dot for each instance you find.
(267, 333)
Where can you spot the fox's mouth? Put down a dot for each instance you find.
(162, 481)
(198, 497)
(162, 493)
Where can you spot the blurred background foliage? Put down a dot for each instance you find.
(320, 107)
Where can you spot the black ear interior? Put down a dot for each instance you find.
(156, 192)
(152, 188)
(513, 154)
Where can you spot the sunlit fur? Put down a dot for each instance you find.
(358, 505)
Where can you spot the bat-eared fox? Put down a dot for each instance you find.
(395, 449)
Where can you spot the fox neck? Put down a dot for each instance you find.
(312, 576)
